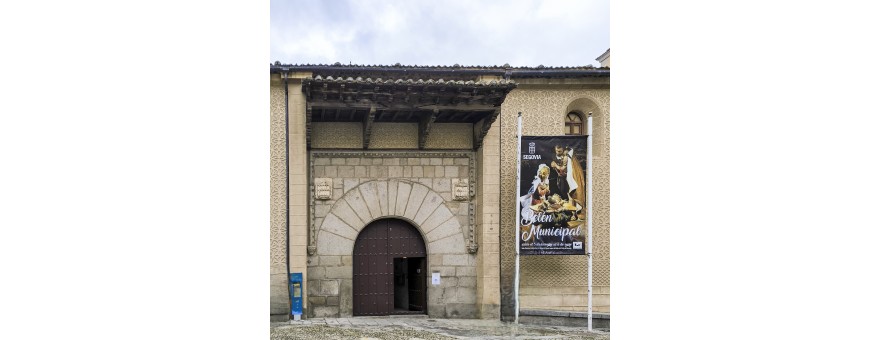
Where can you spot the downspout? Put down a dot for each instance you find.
(287, 189)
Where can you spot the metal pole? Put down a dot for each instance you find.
(590, 222)
(516, 224)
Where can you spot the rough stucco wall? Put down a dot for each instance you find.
(413, 186)
(349, 135)
(555, 282)
(450, 136)
(394, 136)
(278, 299)
(337, 135)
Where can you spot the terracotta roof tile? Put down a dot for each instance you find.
(401, 81)
(455, 66)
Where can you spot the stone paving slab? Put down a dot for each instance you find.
(409, 328)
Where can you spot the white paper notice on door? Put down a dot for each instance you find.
(435, 278)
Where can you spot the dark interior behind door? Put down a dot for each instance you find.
(417, 284)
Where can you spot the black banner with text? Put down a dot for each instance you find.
(552, 197)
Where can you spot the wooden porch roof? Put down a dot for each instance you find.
(367, 100)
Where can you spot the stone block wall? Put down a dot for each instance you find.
(488, 227)
(298, 208)
(414, 186)
(288, 198)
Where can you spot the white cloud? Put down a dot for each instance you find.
(522, 33)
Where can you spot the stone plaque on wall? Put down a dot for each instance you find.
(460, 190)
(323, 188)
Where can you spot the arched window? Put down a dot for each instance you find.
(574, 124)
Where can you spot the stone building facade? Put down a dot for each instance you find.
(360, 151)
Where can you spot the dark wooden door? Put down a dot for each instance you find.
(417, 284)
(373, 265)
(373, 292)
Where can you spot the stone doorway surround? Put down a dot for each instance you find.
(410, 201)
(330, 269)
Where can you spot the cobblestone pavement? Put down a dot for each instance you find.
(408, 328)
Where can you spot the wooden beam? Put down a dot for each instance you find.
(480, 130)
(486, 97)
(425, 124)
(455, 115)
(368, 125)
(400, 106)
(375, 94)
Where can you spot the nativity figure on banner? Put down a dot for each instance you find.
(555, 201)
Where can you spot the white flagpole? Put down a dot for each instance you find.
(516, 224)
(590, 222)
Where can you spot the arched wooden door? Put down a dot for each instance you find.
(379, 286)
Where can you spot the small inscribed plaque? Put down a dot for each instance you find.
(323, 188)
(460, 190)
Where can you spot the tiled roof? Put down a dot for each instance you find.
(454, 72)
(399, 81)
(440, 67)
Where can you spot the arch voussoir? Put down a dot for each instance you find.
(332, 244)
(414, 202)
(403, 191)
(429, 205)
(345, 213)
(382, 194)
(416, 196)
(448, 228)
(356, 202)
(370, 195)
(335, 225)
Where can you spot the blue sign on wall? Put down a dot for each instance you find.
(296, 296)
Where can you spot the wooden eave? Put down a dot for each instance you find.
(405, 101)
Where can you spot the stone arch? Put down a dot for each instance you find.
(584, 105)
(393, 198)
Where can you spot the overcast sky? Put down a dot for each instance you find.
(470, 32)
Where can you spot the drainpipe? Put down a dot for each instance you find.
(287, 188)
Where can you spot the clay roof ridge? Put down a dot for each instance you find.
(410, 81)
(455, 66)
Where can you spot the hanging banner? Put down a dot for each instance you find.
(552, 197)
